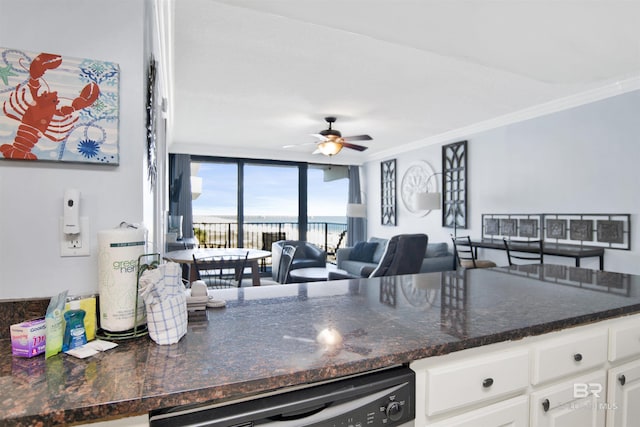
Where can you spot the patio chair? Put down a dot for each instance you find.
(221, 271)
(286, 260)
(284, 267)
(528, 252)
(268, 238)
(463, 250)
(307, 255)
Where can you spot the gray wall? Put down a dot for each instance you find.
(582, 160)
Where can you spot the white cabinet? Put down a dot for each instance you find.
(571, 378)
(509, 413)
(623, 395)
(624, 340)
(139, 421)
(578, 402)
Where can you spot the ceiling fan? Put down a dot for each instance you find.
(330, 141)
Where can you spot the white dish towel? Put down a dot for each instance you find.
(166, 303)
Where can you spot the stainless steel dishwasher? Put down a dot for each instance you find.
(382, 398)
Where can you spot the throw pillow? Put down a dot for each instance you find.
(363, 251)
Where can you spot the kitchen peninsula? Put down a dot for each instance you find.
(264, 340)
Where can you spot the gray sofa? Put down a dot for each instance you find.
(437, 258)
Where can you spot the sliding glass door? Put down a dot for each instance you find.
(215, 210)
(250, 203)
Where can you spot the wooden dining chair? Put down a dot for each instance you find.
(463, 250)
(221, 271)
(525, 252)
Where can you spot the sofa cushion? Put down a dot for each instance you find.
(437, 250)
(439, 263)
(363, 251)
(354, 267)
(382, 245)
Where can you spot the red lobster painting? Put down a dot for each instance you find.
(38, 113)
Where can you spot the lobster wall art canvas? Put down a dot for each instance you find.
(57, 108)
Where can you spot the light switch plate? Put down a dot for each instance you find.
(75, 244)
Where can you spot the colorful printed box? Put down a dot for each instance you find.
(28, 338)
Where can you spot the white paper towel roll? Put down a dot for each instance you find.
(118, 252)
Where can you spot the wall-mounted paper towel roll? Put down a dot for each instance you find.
(118, 252)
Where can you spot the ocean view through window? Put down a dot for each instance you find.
(266, 198)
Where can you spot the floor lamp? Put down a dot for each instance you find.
(432, 201)
(356, 210)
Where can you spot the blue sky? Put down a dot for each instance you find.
(269, 191)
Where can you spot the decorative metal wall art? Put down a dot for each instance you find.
(418, 178)
(509, 227)
(58, 108)
(388, 192)
(580, 229)
(454, 185)
(491, 227)
(556, 228)
(612, 231)
(152, 161)
(528, 228)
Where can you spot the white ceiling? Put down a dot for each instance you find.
(253, 75)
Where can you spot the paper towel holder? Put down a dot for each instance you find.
(145, 262)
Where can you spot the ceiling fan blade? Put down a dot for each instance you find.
(317, 151)
(354, 146)
(298, 145)
(318, 136)
(357, 138)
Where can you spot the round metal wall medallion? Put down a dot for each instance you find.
(414, 181)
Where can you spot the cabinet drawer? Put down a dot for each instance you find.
(624, 340)
(457, 384)
(569, 355)
(513, 413)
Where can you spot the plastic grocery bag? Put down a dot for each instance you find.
(165, 301)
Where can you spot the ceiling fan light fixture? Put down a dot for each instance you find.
(331, 133)
(329, 148)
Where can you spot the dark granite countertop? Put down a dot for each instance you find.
(264, 339)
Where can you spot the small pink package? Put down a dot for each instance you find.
(28, 338)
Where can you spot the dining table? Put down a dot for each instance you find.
(185, 257)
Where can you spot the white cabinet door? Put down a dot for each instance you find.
(623, 395)
(510, 413)
(624, 340)
(576, 402)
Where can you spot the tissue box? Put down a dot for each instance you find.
(28, 338)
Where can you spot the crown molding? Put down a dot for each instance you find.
(583, 98)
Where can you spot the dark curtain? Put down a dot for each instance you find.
(356, 229)
(180, 191)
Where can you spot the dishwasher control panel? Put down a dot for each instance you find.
(383, 398)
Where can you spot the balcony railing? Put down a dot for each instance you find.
(259, 235)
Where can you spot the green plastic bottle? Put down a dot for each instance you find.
(74, 332)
